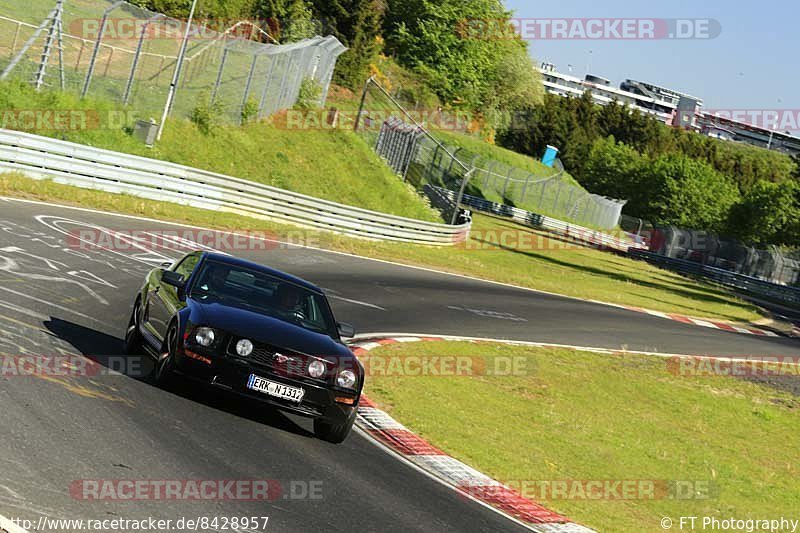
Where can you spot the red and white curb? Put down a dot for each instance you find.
(703, 322)
(459, 476)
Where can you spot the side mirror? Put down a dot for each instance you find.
(346, 330)
(172, 278)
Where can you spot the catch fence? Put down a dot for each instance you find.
(127, 54)
(423, 156)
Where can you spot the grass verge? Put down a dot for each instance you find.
(335, 165)
(575, 417)
(526, 257)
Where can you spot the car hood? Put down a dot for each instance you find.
(265, 329)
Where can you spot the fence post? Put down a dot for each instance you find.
(267, 83)
(461, 195)
(569, 206)
(558, 195)
(136, 57)
(489, 171)
(217, 83)
(544, 190)
(361, 105)
(525, 189)
(12, 65)
(248, 84)
(97, 44)
(505, 185)
(16, 37)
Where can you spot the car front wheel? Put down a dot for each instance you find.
(165, 367)
(334, 433)
(133, 337)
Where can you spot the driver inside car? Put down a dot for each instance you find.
(290, 302)
(215, 280)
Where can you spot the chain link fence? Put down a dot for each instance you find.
(773, 264)
(409, 143)
(122, 52)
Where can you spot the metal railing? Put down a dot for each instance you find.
(94, 168)
(723, 277)
(573, 232)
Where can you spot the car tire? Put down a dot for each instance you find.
(334, 433)
(164, 374)
(132, 344)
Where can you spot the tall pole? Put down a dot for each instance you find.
(361, 105)
(52, 37)
(10, 67)
(460, 196)
(96, 51)
(176, 75)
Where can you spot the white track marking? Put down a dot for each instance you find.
(333, 295)
(8, 525)
(21, 251)
(367, 342)
(334, 252)
(12, 267)
(148, 257)
(51, 304)
(24, 311)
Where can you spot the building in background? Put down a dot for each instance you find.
(669, 106)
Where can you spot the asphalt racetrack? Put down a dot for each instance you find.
(60, 298)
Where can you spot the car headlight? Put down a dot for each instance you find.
(244, 347)
(316, 368)
(205, 336)
(346, 379)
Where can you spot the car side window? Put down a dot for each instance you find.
(186, 267)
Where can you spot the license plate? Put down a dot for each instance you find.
(278, 390)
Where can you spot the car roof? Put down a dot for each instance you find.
(236, 261)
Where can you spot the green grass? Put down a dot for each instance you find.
(581, 416)
(476, 146)
(537, 261)
(334, 165)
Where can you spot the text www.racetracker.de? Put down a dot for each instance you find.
(201, 523)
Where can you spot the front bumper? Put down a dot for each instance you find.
(231, 374)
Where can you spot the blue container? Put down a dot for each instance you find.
(550, 156)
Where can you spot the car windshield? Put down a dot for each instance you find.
(259, 292)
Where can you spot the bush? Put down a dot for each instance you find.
(207, 115)
(309, 96)
(249, 111)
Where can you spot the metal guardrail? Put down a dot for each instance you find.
(571, 231)
(93, 168)
(723, 277)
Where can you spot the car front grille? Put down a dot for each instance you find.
(281, 362)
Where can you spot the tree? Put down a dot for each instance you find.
(357, 24)
(767, 214)
(615, 170)
(286, 20)
(467, 52)
(689, 194)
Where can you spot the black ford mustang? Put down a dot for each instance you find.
(253, 331)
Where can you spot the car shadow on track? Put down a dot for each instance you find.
(106, 351)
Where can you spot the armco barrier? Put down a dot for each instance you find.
(572, 231)
(93, 168)
(723, 277)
